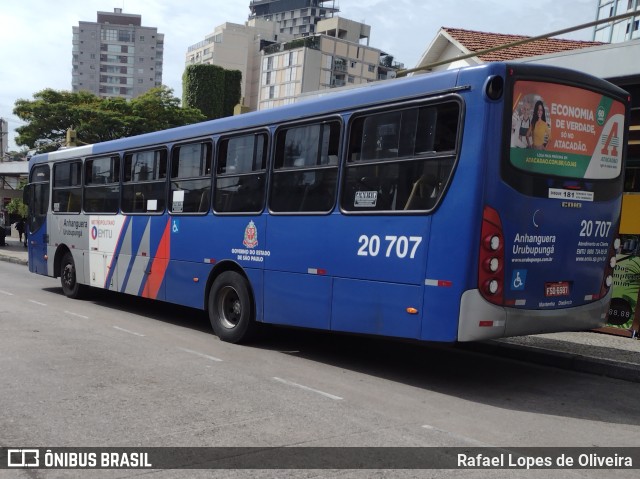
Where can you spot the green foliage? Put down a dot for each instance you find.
(211, 89)
(17, 207)
(95, 119)
(232, 91)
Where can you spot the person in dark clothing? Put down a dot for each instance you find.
(20, 228)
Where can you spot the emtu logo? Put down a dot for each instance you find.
(100, 233)
(23, 458)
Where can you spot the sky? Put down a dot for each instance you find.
(36, 35)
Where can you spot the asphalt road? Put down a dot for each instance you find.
(117, 371)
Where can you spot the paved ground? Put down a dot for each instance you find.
(590, 352)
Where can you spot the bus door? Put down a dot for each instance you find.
(36, 196)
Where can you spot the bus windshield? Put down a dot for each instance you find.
(565, 131)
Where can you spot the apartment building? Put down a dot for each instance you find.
(293, 17)
(620, 30)
(237, 47)
(116, 56)
(337, 55)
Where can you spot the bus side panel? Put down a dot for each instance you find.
(455, 230)
(376, 308)
(186, 282)
(297, 299)
(384, 252)
(256, 279)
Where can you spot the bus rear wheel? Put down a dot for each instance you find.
(230, 308)
(68, 279)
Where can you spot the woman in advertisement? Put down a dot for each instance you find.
(538, 134)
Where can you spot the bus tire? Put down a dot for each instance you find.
(231, 308)
(68, 278)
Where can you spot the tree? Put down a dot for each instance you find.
(16, 207)
(211, 89)
(95, 119)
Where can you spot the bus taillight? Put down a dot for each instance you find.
(490, 271)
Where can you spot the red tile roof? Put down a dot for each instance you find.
(477, 41)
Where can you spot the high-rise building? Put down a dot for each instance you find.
(237, 47)
(116, 56)
(620, 30)
(294, 17)
(337, 55)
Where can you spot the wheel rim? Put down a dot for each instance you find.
(68, 275)
(229, 307)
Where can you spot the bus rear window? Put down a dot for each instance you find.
(564, 131)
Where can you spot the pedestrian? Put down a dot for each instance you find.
(20, 228)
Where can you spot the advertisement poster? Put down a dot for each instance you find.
(626, 284)
(566, 131)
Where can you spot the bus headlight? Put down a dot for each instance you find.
(609, 281)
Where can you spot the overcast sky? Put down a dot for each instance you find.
(36, 34)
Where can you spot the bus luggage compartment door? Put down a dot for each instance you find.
(297, 299)
(373, 307)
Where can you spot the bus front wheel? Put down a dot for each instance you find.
(68, 279)
(230, 308)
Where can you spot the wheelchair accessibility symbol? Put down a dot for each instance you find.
(175, 227)
(518, 279)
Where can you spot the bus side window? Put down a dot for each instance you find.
(102, 184)
(144, 186)
(67, 187)
(190, 190)
(241, 174)
(305, 172)
(400, 160)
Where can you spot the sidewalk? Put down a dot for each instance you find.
(14, 251)
(589, 352)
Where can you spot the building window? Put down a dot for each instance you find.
(109, 34)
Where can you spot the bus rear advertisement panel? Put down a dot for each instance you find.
(568, 132)
(454, 206)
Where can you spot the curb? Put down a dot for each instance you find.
(559, 359)
(12, 259)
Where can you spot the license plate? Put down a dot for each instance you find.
(556, 289)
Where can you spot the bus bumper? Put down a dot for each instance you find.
(481, 320)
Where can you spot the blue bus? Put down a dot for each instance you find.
(462, 205)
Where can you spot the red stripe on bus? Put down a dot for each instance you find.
(159, 265)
